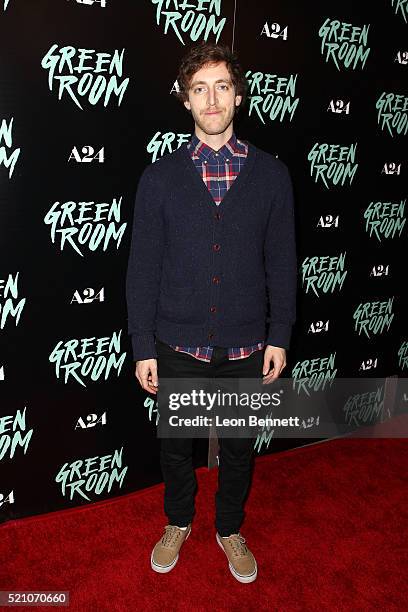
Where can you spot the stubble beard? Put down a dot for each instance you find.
(205, 123)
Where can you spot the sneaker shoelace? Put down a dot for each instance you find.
(170, 536)
(238, 546)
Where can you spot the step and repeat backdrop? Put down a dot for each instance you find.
(87, 101)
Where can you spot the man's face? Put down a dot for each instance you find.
(212, 99)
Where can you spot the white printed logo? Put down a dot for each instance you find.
(89, 155)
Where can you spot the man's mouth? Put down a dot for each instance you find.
(212, 112)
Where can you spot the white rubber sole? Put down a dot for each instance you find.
(239, 577)
(163, 569)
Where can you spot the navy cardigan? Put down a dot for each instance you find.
(199, 274)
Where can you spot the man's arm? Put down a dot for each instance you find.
(144, 268)
(281, 263)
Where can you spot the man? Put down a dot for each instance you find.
(213, 231)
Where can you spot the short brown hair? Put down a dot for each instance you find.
(208, 53)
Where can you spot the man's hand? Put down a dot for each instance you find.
(146, 374)
(277, 356)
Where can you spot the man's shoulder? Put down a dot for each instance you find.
(165, 164)
(268, 163)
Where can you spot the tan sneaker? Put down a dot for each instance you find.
(242, 562)
(165, 554)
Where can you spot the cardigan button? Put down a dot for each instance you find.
(213, 309)
(217, 216)
(216, 247)
(216, 279)
(210, 335)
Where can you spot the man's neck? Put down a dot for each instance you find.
(215, 141)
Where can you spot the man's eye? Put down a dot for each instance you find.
(198, 89)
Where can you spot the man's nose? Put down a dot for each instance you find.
(212, 96)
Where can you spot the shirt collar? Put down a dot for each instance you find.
(200, 150)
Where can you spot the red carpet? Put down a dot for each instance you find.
(327, 523)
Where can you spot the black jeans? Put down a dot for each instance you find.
(235, 455)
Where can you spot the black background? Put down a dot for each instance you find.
(47, 129)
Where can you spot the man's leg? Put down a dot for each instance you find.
(176, 453)
(234, 475)
(235, 455)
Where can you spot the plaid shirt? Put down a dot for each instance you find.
(218, 169)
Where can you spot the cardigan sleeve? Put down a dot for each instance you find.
(281, 262)
(145, 267)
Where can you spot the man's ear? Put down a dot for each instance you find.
(238, 100)
(187, 104)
